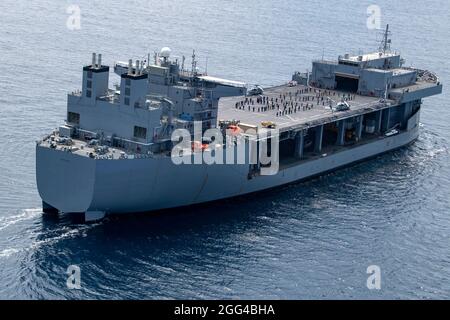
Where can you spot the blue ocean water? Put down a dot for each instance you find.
(303, 241)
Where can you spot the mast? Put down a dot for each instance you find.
(194, 63)
(386, 42)
(386, 38)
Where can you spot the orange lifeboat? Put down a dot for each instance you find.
(197, 146)
(235, 130)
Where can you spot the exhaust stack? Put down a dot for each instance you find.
(130, 67)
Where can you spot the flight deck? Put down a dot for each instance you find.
(294, 107)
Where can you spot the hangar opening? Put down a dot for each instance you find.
(348, 83)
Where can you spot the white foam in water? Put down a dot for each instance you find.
(8, 252)
(48, 241)
(26, 214)
(436, 152)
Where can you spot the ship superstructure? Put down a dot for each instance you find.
(114, 154)
(151, 101)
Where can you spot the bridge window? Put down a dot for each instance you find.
(140, 132)
(73, 117)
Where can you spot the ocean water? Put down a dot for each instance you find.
(310, 240)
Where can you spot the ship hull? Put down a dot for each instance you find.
(73, 183)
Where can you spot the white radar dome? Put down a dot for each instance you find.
(165, 52)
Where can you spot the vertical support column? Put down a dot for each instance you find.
(341, 132)
(403, 111)
(386, 117)
(403, 116)
(299, 144)
(378, 121)
(359, 128)
(407, 111)
(258, 158)
(318, 139)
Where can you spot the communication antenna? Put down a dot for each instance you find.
(182, 63)
(386, 41)
(194, 63)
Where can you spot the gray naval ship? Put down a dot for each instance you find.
(115, 152)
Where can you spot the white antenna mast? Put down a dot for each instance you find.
(386, 42)
(194, 63)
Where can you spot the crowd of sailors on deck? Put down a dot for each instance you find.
(292, 102)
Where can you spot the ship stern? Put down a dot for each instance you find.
(65, 181)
